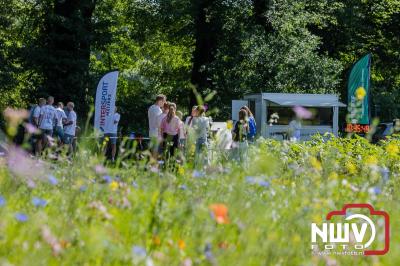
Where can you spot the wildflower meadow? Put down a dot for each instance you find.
(80, 211)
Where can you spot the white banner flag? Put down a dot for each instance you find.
(105, 101)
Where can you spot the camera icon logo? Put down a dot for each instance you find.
(361, 230)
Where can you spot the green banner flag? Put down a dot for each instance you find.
(358, 88)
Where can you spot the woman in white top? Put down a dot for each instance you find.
(169, 130)
(201, 127)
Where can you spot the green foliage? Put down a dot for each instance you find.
(151, 52)
(280, 58)
(361, 27)
(17, 29)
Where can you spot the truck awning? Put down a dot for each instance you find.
(306, 100)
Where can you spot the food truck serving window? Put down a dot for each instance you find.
(323, 116)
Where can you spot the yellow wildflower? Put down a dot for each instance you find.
(360, 93)
(181, 244)
(333, 175)
(156, 240)
(315, 163)
(351, 168)
(229, 124)
(371, 160)
(392, 149)
(181, 170)
(114, 185)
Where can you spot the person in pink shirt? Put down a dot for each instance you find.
(170, 129)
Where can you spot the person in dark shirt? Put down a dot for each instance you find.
(241, 130)
(240, 133)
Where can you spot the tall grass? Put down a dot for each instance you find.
(143, 214)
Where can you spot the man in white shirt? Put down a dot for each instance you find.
(61, 118)
(46, 122)
(70, 125)
(35, 112)
(112, 133)
(153, 113)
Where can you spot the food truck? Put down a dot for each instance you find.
(266, 107)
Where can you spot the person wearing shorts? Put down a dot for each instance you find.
(112, 138)
(60, 119)
(112, 133)
(70, 126)
(46, 123)
(68, 139)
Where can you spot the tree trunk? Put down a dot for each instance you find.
(203, 55)
(68, 33)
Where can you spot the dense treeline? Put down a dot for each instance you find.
(232, 47)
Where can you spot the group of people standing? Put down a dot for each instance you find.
(57, 124)
(53, 121)
(168, 132)
(245, 128)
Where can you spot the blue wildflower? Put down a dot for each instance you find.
(385, 173)
(134, 184)
(21, 217)
(375, 190)
(83, 188)
(52, 179)
(183, 187)
(207, 248)
(2, 201)
(197, 174)
(208, 253)
(139, 251)
(38, 202)
(107, 178)
(264, 183)
(250, 179)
